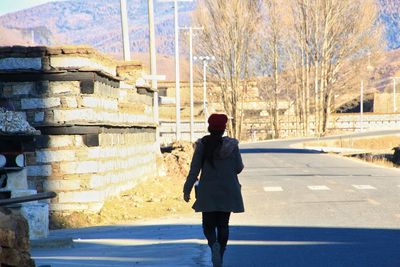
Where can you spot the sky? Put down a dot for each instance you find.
(8, 6)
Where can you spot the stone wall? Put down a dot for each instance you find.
(84, 176)
(97, 131)
(369, 121)
(338, 123)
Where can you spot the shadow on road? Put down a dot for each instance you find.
(313, 246)
(279, 150)
(178, 245)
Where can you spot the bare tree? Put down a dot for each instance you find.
(330, 35)
(310, 49)
(269, 44)
(229, 34)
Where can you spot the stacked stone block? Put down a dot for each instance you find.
(97, 132)
(85, 176)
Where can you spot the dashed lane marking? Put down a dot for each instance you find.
(273, 189)
(318, 187)
(321, 188)
(364, 187)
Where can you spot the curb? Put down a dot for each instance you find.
(52, 243)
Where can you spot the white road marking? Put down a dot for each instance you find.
(318, 187)
(272, 188)
(363, 186)
(140, 242)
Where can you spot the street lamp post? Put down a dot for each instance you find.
(205, 60)
(205, 63)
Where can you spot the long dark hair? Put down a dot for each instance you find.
(211, 143)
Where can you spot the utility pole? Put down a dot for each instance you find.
(153, 67)
(191, 84)
(125, 32)
(190, 29)
(177, 78)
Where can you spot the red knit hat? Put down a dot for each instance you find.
(217, 122)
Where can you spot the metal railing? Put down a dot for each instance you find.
(16, 200)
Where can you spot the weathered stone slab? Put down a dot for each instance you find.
(72, 61)
(20, 63)
(46, 156)
(40, 103)
(39, 170)
(60, 87)
(37, 215)
(62, 185)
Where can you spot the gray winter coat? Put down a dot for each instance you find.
(219, 188)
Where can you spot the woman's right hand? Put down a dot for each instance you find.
(186, 197)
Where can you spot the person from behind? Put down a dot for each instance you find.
(218, 192)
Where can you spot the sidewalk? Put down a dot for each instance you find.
(164, 242)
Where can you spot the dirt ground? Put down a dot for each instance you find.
(153, 198)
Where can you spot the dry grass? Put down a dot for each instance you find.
(380, 143)
(377, 149)
(154, 198)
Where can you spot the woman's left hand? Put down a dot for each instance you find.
(186, 197)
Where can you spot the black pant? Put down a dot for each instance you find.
(216, 220)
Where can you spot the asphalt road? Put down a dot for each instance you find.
(303, 208)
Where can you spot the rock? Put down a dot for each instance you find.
(14, 257)
(396, 155)
(14, 240)
(14, 230)
(13, 123)
(177, 162)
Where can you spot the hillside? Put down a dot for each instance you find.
(96, 23)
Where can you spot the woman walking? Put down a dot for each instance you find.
(218, 191)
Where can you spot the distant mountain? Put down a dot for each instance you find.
(96, 23)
